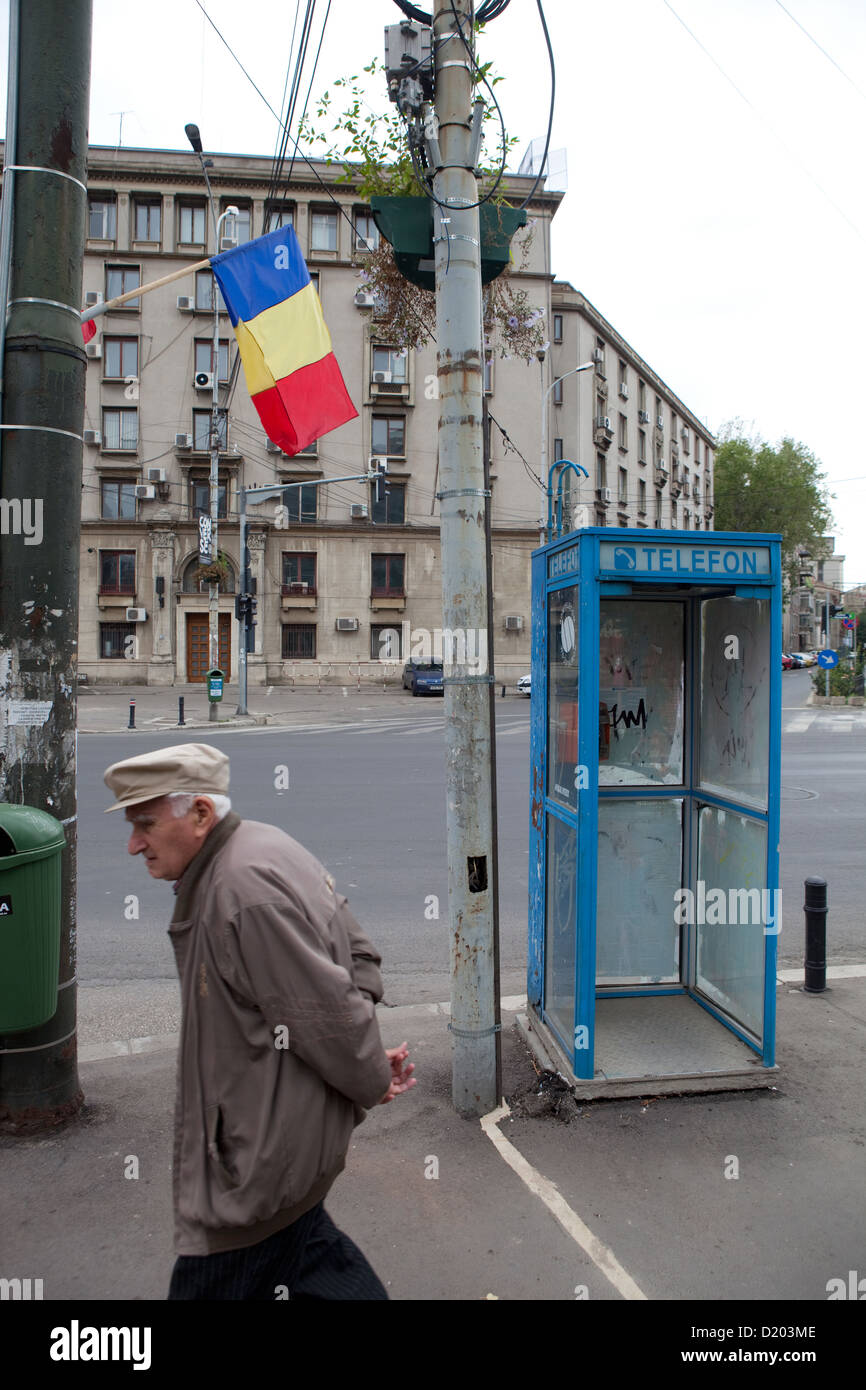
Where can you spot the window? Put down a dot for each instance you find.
(199, 495)
(622, 492)
(623, 378)
(389, 435)
(191, 224)
(557, 328)
(391, 506)
(204, 287)
(299, 642)
(118, 499)
(120, 429)
(685, 440)
(323, 231)
(600, 471)
(386, 642)
(366, 232)
(623, 432)
(301, 503)
(101, 219)
(388, 572)
(658, 520)
(204, 357)
(201, 425)
(641, 497)
(686, 519)
(148, 220)
(557, 451)
(641, 446)
(673, 516)
(299, 567)
(314, 279)
(239, 227)
(708, 460)
(660, 419)
(557, 392)
(279, 215)
(641, 395)
(674, 426)
(117, 571)
(115, 640)
(389, 361)
(120, 357)
(697, 452)
(120, 279)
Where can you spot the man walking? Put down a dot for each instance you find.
(280, 1053)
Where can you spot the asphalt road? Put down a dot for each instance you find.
(371, 804)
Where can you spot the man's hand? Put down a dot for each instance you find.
(401, 1072)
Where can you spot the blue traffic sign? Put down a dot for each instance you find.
(828, 659)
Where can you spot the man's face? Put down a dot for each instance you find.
(168, 842)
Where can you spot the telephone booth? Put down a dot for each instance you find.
(654, 829)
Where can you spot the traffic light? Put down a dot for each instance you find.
(381, 479)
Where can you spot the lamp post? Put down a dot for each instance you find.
(584, 367)
(194, 137)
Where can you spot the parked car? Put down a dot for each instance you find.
(524, 685)
(799, 659)
(423, 677)
(788, 662)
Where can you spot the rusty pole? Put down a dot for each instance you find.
(462, 499)
(43, 416)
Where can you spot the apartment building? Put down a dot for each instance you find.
(347, 580)
(650, 460)
(817, 581)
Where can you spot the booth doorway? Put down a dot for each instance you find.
(197, 662)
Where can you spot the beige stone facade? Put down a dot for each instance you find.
(337, 569)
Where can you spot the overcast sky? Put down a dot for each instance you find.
(721, 231)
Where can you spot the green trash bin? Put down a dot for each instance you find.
(215, 682)
(31, 843)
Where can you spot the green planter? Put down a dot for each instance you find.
(407, 225)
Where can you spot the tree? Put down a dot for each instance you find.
(759, 487)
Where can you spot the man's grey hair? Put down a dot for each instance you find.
(181, 802)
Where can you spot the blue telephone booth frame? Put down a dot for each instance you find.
(604, 578)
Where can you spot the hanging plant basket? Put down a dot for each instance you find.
(407, 225)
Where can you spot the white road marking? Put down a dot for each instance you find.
(602, 1257)
(800, 723)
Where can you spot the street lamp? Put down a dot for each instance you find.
(194, 137)
(584, 367)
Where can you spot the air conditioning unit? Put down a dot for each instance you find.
(383, 378)
(93, 349)
(514, 624)
(185, 303)
(358, 511)
(605, 494)
(136, 615)
(203, 381)
(228, 243)
(660, 421)
(643, 416)
(346, 624)
(183, 441)
(92, 298)
(271, 447)
(93, 436)
(364, 299)
(597, 355)
(623, 390)
(156, 475)
(145, 492)
(607, 424)
(298, 587)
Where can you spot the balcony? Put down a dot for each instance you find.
(603, 432)
(298, 594)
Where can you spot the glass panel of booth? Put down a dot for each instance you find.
(560, 933)
(735, 699)
(640, 711)
(639, 872)
(563, 773)
(731, 912)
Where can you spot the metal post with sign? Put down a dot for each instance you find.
(654, 835)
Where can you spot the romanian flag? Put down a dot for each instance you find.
(285, 346)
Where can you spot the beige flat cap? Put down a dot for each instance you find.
(195, 768)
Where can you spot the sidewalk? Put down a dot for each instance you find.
(450, 1209)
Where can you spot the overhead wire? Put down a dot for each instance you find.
(828, 56)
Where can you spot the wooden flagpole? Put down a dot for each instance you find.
(97, 309)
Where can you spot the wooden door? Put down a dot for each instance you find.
(197, 662)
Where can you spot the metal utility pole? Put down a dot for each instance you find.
(40, 494)
(474, 1009)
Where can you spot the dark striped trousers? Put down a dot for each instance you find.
(310, 1259)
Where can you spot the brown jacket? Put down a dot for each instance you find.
(280, 1050)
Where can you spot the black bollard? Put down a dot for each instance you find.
(816, 935)
(131, 724)
(180, 718)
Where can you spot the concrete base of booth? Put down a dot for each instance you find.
(668, 1045)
